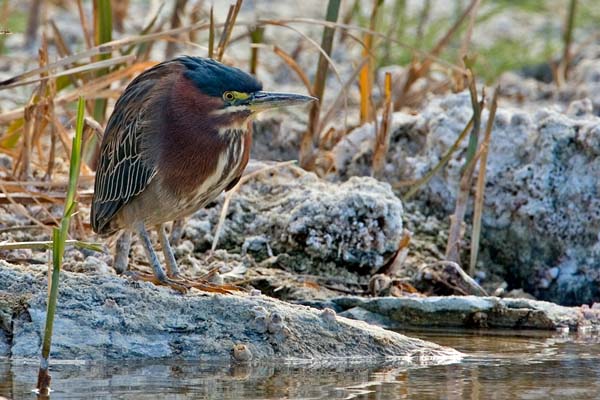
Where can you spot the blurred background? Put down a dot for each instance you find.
(401, 84)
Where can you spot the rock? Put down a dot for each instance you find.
(241, 353)
(518, 294)
(108, 317)
(541, 209)
(4, 344)
(308, 223)
(458, 311)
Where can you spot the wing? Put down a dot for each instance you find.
(124, 170)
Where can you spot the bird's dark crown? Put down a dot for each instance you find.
(214, 78)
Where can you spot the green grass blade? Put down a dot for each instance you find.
(75, 156)
(59, 237)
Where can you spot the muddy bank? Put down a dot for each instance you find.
(102, 316)
(463, 312)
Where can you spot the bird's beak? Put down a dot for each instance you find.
(260, 101)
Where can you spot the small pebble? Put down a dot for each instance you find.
(110, 303)
(275, 323)
(544, 283)
(260, 324)
(216, 279)
(553, 272)
(241, 352)
(255, 292)
(328, 315)
(562, 329)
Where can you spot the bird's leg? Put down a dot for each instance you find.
(121, 261)
(177, 231)
(172, 270)
(159, 276)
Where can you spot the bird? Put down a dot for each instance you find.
(178, 136)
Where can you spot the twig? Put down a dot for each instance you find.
(46, 245)
(416, 185)
(456, 220)
(382, 137)
(563, 70)
(311, 136)
(480, 189)
(229, 24)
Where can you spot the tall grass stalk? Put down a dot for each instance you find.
(563, 72)
(474, 137)
(311, 137)
(368, 71)
(59, 237)
(455, 232)
(211, 34)
(480, 188)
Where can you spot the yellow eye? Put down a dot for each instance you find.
(228, 96)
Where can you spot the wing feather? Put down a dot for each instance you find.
(124, 170)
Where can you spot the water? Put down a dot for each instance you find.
(499, 365)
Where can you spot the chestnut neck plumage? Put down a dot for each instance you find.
(194, 137)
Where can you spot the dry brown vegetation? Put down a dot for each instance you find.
(37, 135)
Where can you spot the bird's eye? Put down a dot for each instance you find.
(228, 96)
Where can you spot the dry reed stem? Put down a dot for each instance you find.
(178, 10)
(211, 34)
(294, 66)
(477, 107)
(382, 137)
(44, 245)
(71, 71)
(41, 198)
(310, 139)
(423, 18)
(462, 197)
(18, 186)
(87, 33)
(420, 69)
(256, 37)
(341, 99)
(413, 49)
(464, 47)
(87, 90)
(480, 187)
(365, 81)
(420, 182)
(104, 48)
(32, 116)
(563, 67)
(228, 28)
(33, 22)
(9, 199)
(48, 117)
(59, 41)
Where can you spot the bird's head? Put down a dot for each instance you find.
(233, 93)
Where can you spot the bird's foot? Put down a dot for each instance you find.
(209, 282)
(183, 284)
(164, 281)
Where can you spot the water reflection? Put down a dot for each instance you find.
(531, 366)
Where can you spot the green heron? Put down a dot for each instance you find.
(179, 135)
